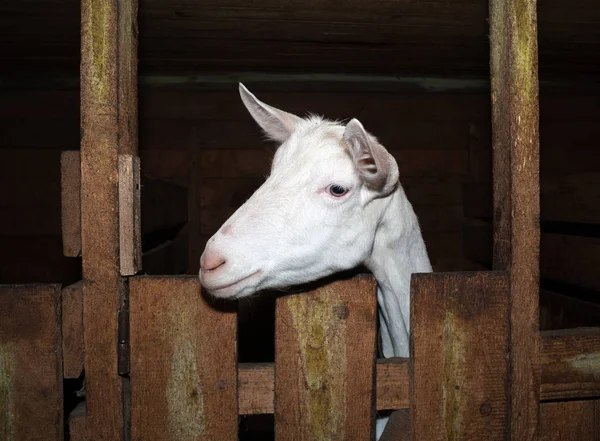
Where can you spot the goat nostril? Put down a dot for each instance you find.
(211, 261)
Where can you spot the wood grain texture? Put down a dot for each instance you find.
(183, 363)
(570, 421)
(70, 166)
(515, 140)
(107, 129)
(72, 330)
(130, 231)
(256, 386)
(325, 358)
(459, 345)
(571, 363)
(31, 387)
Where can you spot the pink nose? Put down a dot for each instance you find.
(211, 260)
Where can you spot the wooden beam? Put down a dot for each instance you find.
(570, 361)
(108, 128)
(515, 140)
(31, 380)
(325, 358)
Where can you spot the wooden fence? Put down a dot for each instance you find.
(160, 360)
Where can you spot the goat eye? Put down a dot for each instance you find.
(337, 190)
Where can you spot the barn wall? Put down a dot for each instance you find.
(206, 145)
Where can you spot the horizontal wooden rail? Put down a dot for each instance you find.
(570, 362)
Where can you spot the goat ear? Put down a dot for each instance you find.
(377, 168)
(277, 124)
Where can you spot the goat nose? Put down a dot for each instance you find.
(211, 260)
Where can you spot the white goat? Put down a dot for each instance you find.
(332, 202)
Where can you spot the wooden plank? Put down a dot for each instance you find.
(31, 395)
(168, 165)
(565, 198)
(72, 330)
(170, 257)
(39, 259)
(560, 311)
(70, 166)
(570, 421)
(516, 164)
(571, 361)
(183, 363)
(565, 258)
(459, 365)
(256, 386)
(130, 234)
(256, 163)
(108, 128)
(407, 107)
(325, 357)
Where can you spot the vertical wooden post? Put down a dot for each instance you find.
(108, 127)
(325, 360)
(515, 140)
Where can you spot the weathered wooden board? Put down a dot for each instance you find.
(516, 163)
(31, 391)
(183, 363)
(571, 363)
(130, 232)
(70, 166)
(72, 330)
(325, 358)
(459, 345)
(570, 421)
(108, 128)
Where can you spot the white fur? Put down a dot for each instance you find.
(293, 231)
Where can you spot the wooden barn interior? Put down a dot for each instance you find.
(416, 73)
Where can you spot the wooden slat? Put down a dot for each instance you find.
(324, 353)
(130, 234)
(570, 421)
(459, 348)
(31, 395)
(70, 165)
(515, 138)
(72, 330)
(571, 363)
(108, 128)
(183, 363)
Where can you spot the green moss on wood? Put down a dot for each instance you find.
(184, 394)
(7, 410)
(321, 334)
(454, 355)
